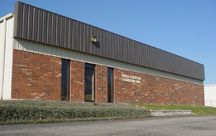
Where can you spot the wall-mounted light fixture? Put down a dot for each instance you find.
(95, 42)
(94, 39)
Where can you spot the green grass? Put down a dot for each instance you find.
(30, 111)
(196, 110)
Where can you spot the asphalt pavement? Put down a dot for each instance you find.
(174, 126)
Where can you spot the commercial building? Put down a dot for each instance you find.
(210, 95)
(48, 56)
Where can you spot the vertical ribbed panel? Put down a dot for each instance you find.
(42, 26)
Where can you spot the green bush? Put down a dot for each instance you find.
(51, 111)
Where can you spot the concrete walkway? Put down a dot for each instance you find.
(175, 126)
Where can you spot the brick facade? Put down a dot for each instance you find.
(101, 85)
(158, 90)
(37, 76)
(77, 81)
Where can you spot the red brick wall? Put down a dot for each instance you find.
(35, 76)
(38, 76)
(77, 81)
(101, 85)
(158, 90)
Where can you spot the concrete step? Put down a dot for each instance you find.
(163, 113)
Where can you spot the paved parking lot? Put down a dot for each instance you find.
(178, 126)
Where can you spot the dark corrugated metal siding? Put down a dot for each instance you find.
(42, 26)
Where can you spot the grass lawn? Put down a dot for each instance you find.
(196, 110)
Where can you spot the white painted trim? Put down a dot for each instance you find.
(6, 55)
(34, 47)
(6, 17)
(210, 95)
(8, 60)
(2, 55)
(212, 85)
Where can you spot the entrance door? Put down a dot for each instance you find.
(89, 82)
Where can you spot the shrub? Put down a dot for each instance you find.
(51, 111)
